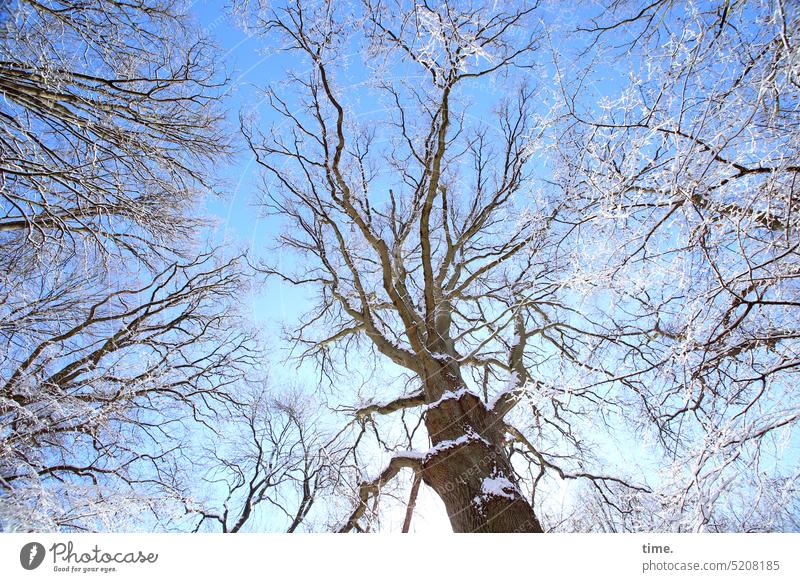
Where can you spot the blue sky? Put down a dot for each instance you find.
(252, 67)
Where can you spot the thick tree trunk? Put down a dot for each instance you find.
(469, 467)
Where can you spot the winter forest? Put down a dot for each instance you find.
(400, 266)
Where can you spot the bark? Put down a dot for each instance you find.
(467, 451)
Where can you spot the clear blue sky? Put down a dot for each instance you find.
(252, 66)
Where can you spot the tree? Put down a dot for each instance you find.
(419, 243)
(101, 390)
(109, 120)
(274, 454)
(508, 279)
(692, 170)
(528, 308)
(118, 338)
(122, 346)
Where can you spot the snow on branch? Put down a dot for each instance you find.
(411, 401)
(372, 488)
(443, 446)
(545, 464)
(452, 395)
(410, 459)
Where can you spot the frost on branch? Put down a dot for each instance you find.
(639, 287)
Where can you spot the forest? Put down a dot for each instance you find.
(399, 266)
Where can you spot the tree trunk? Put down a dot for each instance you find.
(468, 466)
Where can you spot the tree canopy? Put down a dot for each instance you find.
(546, 262)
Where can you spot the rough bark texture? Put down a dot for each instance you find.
(467, 450)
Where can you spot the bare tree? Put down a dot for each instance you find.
(692, 169)
(511, 316)
(99, 391)
(275, 456)
(420, 235)
(107, 125)
(118, 339)
(643, 286)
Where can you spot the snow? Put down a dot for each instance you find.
(512, 381)
(499, 486)
(411, 454)
(512, 384)
(451, 395)
(462, 440)
(378, 402)
(470, 436)
(493, 402)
